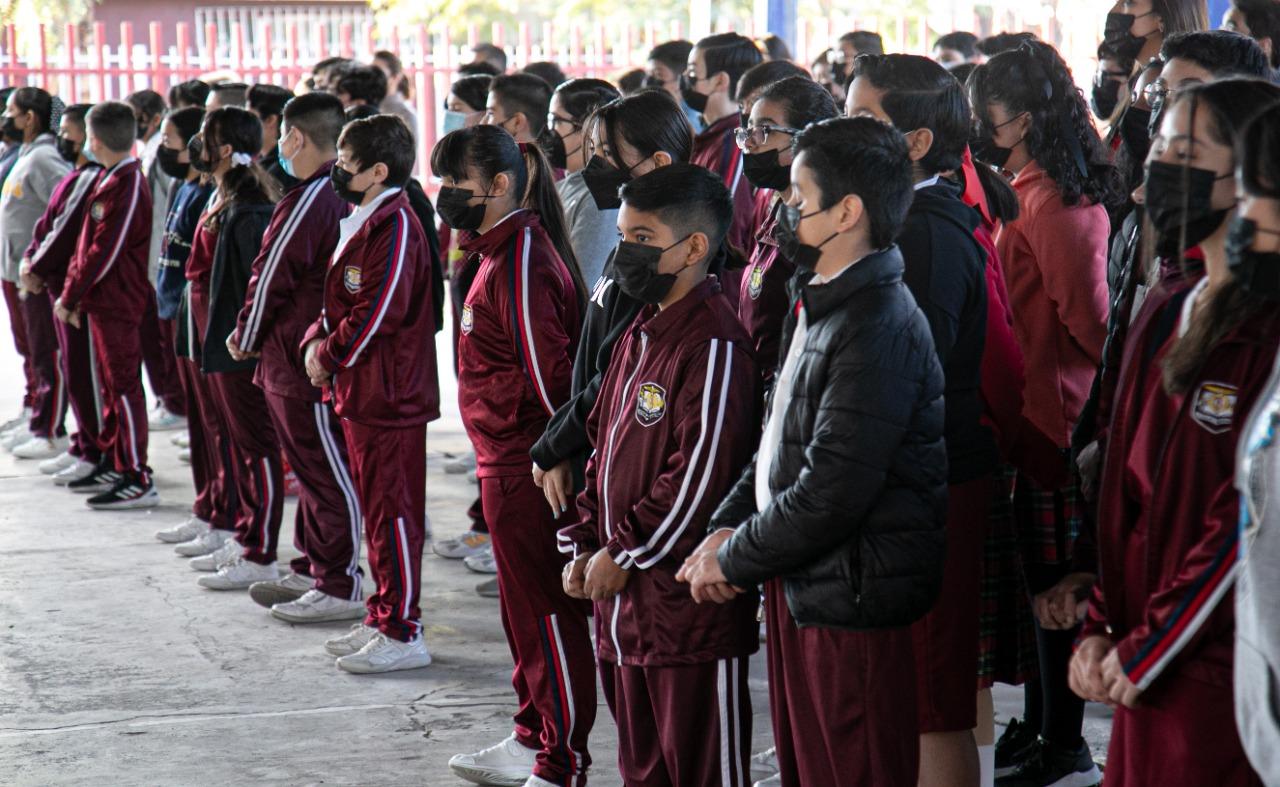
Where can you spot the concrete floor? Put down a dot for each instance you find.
(116, 669)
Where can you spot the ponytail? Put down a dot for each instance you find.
(541, 195)
(246, 182)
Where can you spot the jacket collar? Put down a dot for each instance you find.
(499, 234)
(390, 205)
(322, 172)
(1032, 173)
(657, 323)
(724, 125)
(877, 269)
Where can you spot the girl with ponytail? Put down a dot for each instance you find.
(520, 324)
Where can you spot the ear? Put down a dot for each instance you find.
(698, 248)
(1024, 124)
(720, 82)
(851, 212)
(662, 158)
(919, 142)
(522, 124)
(500, 185)
(380, 172)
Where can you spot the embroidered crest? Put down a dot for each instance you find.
(351, 278)
(466, 318)
(1214, 406)
(97, 210)
(755, 282)
(651, 404)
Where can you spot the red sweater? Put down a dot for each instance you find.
(53, 242)
(107, 276)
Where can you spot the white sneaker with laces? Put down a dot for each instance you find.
(538, 781)
(384, 654)
(239, 575)
(215, 560)
(316, 606)
(482, 562)
(23, 416)
(183, 532)
(80, 470)
(204, 543)
(460, 464)
(764, 763)
(16, 437)
(351, 642)
(506, 763)
(58, 463)
(161, 420)
(290, 587)
(40, 448)
(470, 543)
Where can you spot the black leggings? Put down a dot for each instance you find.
(1048, 701)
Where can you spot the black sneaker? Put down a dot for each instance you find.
(1051, 765)
(103, 478)
(133, 490)
(1014, 746)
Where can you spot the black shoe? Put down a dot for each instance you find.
(1014, 747)
(103, 478)
(1051, 765)
(133, 490)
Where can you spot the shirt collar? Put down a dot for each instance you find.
(927, 182)
(657, 322)
(362, 213)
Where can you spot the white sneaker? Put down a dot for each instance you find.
(24, 415)
(384, 654)
(765, 763)
(81, 469)
(13, 439)
(351, 642)
(161, 420)
(482, 562)
(58, 463)
(538, 781)
(773, 781)
(471, 543)
(186, 531)
(215, 560)
(239, 575)
(290, 587)
(506, 763)
(181, 439)
(184, 455)
(40, 448)
(461, 464)
(204, 543)
(316, 606)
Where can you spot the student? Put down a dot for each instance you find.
(709, 86)
(518, 103)
(26, 193)
(593, 232)
(674, 425)
(227, 94)
(361, 86)
(490, 55)
(520, 327)
(1032, 121)
(1258, 19)
(399, 90)
(373, 346)
(15, 429)
(758, 77)
(831, 482)
(267, 102)
(281, 302)
(778, 114)
(43, 273)
(956, 48)
(859, 42)
(664, 67)
(325, 73)
(192, 93)
(1157, 642)
(107, 282)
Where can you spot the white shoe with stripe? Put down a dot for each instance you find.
(58, 463)
(41, 448)
(133, 490)
(186, 531)
(351, 642)
(507, 763)
(203, 544)
(215, 560)
(316, 606)
(384, 654)
(239, 574)
(80, 470)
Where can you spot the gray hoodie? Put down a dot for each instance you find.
(26, 194)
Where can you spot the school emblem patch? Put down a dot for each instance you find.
(651, 404)
(97, 210)
(755, 282)
(351, 278)
(466, 318)
(1214, 406)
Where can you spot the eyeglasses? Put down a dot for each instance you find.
(759, 135)
(1159, 92)
(553, 120)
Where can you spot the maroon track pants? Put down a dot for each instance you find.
(80, 371)
(211, 464)
(255, 461)
(156, 335)
(19, 327)
(124, 405)
(49, 402)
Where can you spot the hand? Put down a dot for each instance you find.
(1089, 463)
(237, 354)
(66, 315)
(702, 571)
(1119, 689)
(30, 282)
(603, 578)
(557, 485)
(574, 577)
(1065, 604)
(315, 370)
(1084, 674)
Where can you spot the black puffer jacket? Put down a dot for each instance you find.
(859, 485)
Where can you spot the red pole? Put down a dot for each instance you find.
(426, 93)
(184, 44)
(44, 62)
(211, 47)
(267, 45)
(526, 50)
(601, 53)
(549, 42)
(156, 35)
(495, 32)
(99, 59)
(72, 46)
(237, 49)
(575, 51)
(293, 69)
(344, 39)
(11, 40)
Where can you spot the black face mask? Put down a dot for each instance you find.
(1135, 132)
(142, 129)
(1181, 213)
(696, 101)
(195, 152)
(167, 158)
(985, 149)
(340, 180)
(1257, 271)
(603, 181)
(764, 171)
(1105, 98)
(653, 83)
(455, 208)
(10, 129)
(1117, 39)
(802, 255)
(552, 145)
(634, 266)
(69, 150)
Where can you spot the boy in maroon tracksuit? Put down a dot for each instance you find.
(283, 299)
(373, 347)
(107, 280)
(673, 427)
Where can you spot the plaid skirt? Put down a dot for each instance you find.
(1007, 640)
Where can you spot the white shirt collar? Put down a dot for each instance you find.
(1189, 305)
(924, 184)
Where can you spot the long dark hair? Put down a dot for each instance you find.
(1233, 109)
(46, 108)
(1062, 140)
(648, 121)
(248, 185)
(484, 152)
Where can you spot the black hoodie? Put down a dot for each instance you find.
(945, 271)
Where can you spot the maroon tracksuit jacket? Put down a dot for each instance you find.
(716, 149)
(107, 280)
(1168, 543)
(673, 426)
(52, 245)
(520, 326)
(377, 337)
(283, 299)
(763, 300)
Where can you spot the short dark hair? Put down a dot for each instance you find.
(75, 114)
(491, 54)
(363, 83)
(317, 115)
(761, 76)
(360, 112)
(192, 93)
(672, 54)
(526, 94)
(46, 107)
(550, 73)
(148, 102)
(473, 90)
(187, 121)
(1219, 52)
(1003, 42)
(731, 53)
(394, 64)
(381, 138)
(685, 197)
(804, 100)
(581, 97)
(479, 68)
(648, 121)
(1263, 20)
(867, 42)
(960, 41)
(329, 63)
(866, 157)
(920, 93)
(268, 100)
(112, 123)
(775, 47)
(234, 94)
(631, 81)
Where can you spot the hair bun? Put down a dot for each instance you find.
(56, 108)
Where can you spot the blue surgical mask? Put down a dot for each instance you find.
(454, 120)
(88, 153)
(285, 164)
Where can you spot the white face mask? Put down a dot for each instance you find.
(453, 121)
